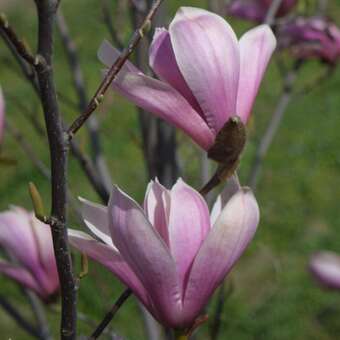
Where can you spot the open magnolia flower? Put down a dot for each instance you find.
(171, 253)
(206, 74)
(28, 242)
(256, 10)
(325, 267)
(2, 114)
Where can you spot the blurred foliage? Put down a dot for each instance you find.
(274, 297)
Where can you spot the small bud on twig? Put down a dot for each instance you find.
(37, 202)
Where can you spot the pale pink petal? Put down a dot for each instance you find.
(107, 54)
(325, 266)
(21, 275)
(164, 101)
(231, 188)
(189, 224)
(226, 242)
(48, 274)
(147, 255)
(2, 114)
(207, 55)
(17, 238)
(156, 207)
(256, 48)
(109, 258)
(163, 62)
(96, 219)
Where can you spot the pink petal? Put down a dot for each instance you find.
(325, 266)
(207, 55)
(163, 62)
(256, 48)
(107, 54)
(17, 238)
(48, 277)
(147, 255)
(109, 258)
(226, 242)
(164, 101)
(156, 206)
(21, 275)
(230, 189)
(97, 220)
(188, 226)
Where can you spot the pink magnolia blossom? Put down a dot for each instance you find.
(205, 74)
(28, 242)
(171, 253)
(325, 267)
(256, 10)
(309, 38)
(2, 115)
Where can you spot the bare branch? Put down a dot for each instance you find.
(17, 43)
(271, 14)
(273, 125)
(27, 70)
(20, 320)
(20, 139)
(110, 315)
(84, 161)
(79, 85)
(39, 313)
(58, 153)
(115, 68)
(106, 13)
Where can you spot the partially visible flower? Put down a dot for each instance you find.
(325, 267)
(28, 242)
(206, 74)
(311, 38)
(256, 10)
(2, 115)
(171, 253)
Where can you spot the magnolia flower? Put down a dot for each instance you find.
(314, 37)
(28, 242)
(2, 114)
(170, 253)
(256, 10)
(325, 267)
(206, 74)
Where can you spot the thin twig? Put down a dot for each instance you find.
(27, 70)
(20, 320)
(106, 13)
(110, 315)
(79, 85)
(273, 125)
(27, 148)
(271, 14)
(84, 161)
(112, 73)
(39, 314)
(46, 10)
(18, 43)
(222, 297)
(215, 329)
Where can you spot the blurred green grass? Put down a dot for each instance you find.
(298, 193)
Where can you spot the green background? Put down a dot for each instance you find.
(274, 295)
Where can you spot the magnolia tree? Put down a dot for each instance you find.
(172, 252)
